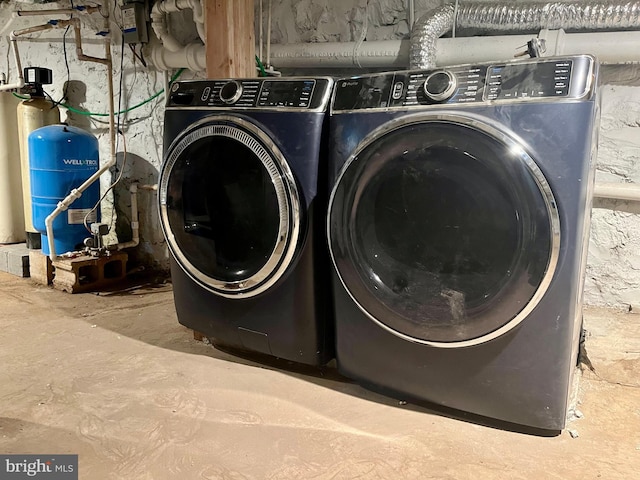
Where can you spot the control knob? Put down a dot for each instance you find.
(440, 86)
(231, 92)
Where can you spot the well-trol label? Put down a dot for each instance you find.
(80, 162)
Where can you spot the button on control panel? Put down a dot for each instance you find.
(457, 85)
(440, 85)
(230, 92)
(398, 90)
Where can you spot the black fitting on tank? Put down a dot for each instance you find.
(35, 78)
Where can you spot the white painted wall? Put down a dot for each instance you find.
(613, 274)
(142, 127)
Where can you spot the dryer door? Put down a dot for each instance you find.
(443, 230)
(229, 207)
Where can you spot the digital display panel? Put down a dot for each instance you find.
(543, 79)
(287, 94)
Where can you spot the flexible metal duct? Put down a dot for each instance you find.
(517, 17)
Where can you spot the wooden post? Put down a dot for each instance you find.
(230, 38)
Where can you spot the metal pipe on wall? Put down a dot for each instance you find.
(58, 11)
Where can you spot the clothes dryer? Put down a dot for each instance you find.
(458, 229)
(242, 206)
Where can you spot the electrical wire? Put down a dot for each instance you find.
(412, 14)
(66, 63)
(124, 159)
(455, 20)
(85, 220)
(137, 55)
(363, 36)
(263, 73)
(269, 36)
(261, 31)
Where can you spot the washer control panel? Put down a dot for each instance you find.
(543, 78)
(268, 93)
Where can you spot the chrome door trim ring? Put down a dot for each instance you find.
(516, 146)
(284, 184)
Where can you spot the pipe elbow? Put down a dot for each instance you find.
(195, 57)
(198, 11)
(48, 221)
(425, 32)
(155, 11)
(162, 32)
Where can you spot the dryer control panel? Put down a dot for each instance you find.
(252, 93)
(542, 78)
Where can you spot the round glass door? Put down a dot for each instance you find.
(443, 230)
(229, 207)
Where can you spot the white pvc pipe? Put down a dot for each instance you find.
(135, 236)
(67, 201)
(135, 225)
(16, 55)
(160, 26)
(385, 53)
(609, 47)
(192, 56)
(617, 191)
(412, 13)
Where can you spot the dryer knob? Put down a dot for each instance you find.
(231, 92)
(440, 86)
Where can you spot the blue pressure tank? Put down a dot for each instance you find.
(61, 158)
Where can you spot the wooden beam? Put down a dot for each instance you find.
(230, 37)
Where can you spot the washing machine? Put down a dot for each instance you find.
(458, 228)
(243, 198)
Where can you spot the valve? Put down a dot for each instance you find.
(534, 48)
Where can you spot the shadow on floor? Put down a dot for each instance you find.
(144, 311)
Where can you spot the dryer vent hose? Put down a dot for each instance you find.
(517, 17)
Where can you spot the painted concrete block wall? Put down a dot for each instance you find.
(613, 274)
(87, 91)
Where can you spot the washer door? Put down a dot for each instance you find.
(443, 230)
(229, 207)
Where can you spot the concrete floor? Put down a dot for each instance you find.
(115, 379)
